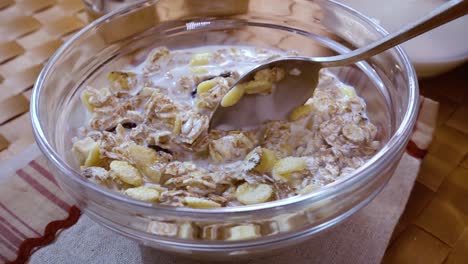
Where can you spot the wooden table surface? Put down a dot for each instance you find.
(434, 227)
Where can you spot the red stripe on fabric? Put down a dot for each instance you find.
(32, 244)
(415, 151)
(420, 106)
(3, 258)
(43, 171)
(10, 247)
(19, 219)
(12, 227)
(43, 190)
(9, 236)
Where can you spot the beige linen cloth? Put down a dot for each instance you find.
(362, 238)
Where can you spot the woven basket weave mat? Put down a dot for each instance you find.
(434, 227)
(30, 32)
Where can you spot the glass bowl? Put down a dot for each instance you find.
(316, 28)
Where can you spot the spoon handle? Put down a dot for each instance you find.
(445, 13)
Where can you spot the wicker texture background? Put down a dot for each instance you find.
(30, 32)
(434, 227)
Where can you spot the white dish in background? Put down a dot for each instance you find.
(432, 53)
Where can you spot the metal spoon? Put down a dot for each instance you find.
(293, 91)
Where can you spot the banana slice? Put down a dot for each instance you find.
(200, 59)
(348, 91)
(143, 194)
(122, 80)
(233, 96)
(283, 168)
(301, 112)
(253, 194)
(145, 159)
(205, 86)
(126, 172)
(87, 151)
(256, 87)
(195, 202)
(94, 156)
(260, 160)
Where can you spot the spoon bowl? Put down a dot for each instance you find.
(301, 77)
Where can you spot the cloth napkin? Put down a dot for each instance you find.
(33, 211)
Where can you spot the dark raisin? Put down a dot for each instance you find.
(129, 125)
(112, 129)
(158, 149)
(193, 92)
(226, 74)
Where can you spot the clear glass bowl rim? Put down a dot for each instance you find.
(360, 175)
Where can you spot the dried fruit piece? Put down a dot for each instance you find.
(353, 133)
(243, 232)
(126, 172)
(233, 96)
(87, 152)
(267, 161)
(253, 194)
(94, 156)
(260, 160)
(285, 167)
(347, 90)
(121, 80)
(143, 193)
(141, 155)
(301, 112)
(257, 87)
(195, 202)
(200, 59)
(205, 86)
(146, 160)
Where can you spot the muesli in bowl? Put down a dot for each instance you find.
(147, 136)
